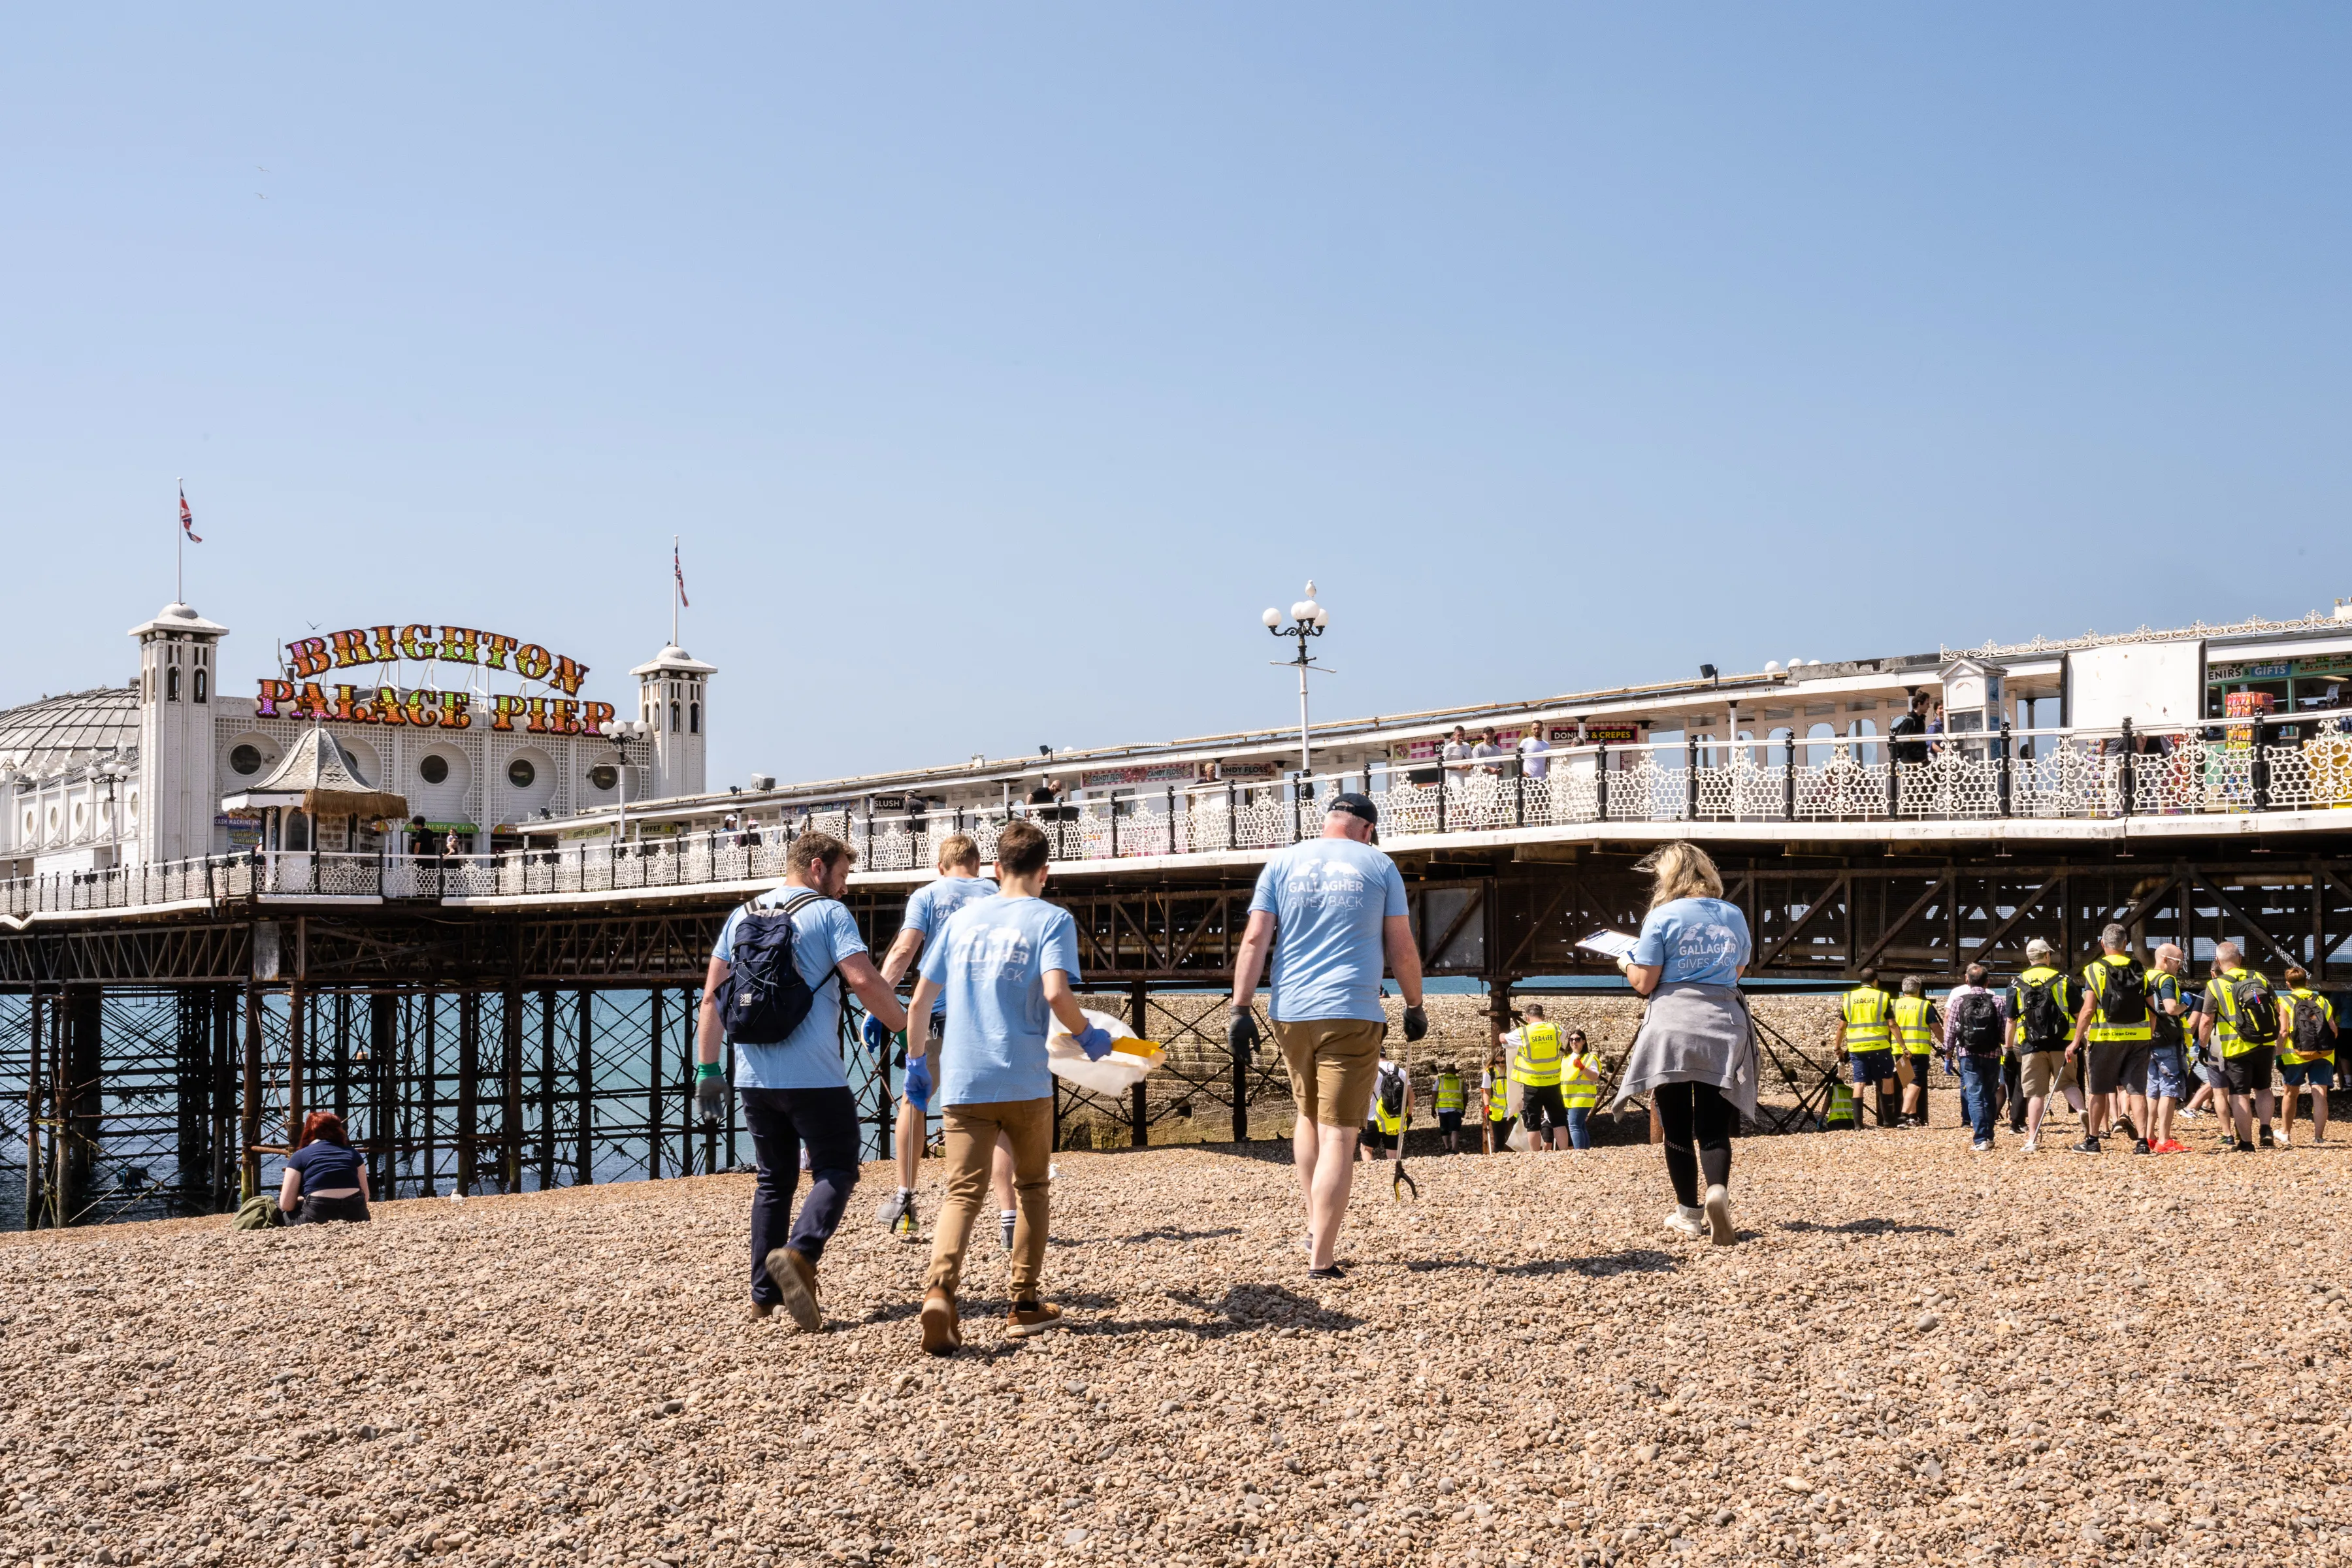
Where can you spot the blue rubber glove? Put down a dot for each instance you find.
(877, 1039)
(1096, 1042)
(919, 1083)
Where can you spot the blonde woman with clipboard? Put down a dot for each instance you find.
(1695, 1056)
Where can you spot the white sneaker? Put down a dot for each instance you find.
(2032, 1146)
(1985, 1147)
(1687, 1222)
(1718, 1216)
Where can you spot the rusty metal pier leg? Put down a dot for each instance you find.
(510, 1089)
(653, 1089)
(583, 1098)
(248, 1120)
(429, 1091)
(469, 1087)
(546, 1151)
(36, 1008)
(1138, 1117)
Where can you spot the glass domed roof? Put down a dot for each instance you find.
(56, 733)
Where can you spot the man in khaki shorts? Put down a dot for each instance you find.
(1330, 910)
(2040, 1019)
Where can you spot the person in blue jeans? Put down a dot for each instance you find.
(1973, 1030)
(794, 1093)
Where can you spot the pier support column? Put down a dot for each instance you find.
(1139, 1117)
(248, 1120)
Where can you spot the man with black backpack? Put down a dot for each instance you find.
(2307, 1052)
(2114, 1021)
(2040, 1022)
(1972, 1042)
(2240, 1022)
(775, 990)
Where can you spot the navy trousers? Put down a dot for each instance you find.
(781, 1121)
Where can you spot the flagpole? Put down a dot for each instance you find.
(180, 557)
(672, 590)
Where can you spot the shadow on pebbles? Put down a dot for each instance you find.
(1915, 1353)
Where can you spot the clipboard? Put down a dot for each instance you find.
(1609, 944)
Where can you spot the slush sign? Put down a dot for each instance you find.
(302, 695)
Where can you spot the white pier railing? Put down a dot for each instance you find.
(2225, 768)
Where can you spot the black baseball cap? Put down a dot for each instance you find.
(1355, 806)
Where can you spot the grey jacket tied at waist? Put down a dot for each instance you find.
(1693, 1034)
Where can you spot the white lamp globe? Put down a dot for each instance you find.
(1322, 617)
(1272, 618)
(1771, 667)
(1303, 611)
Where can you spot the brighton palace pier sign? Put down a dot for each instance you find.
(303, 695)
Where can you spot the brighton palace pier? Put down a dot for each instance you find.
(416, 873)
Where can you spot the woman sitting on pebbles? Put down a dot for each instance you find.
(325, 1177)
(1694, 1057)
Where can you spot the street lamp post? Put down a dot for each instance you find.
(113, 775)
(621, 731)
(1307, 619)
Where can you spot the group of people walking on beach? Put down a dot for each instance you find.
(997, 974)
(2133, 1048)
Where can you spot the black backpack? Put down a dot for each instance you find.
(2310, 1025)
(763, 998)
(2257, 1010)
(2123, 999)
(1976, 1024)
(1392, 1094)
(2044, 1020)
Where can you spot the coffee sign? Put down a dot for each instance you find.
(300, 695)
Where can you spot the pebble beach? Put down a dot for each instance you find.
(1915, 1353)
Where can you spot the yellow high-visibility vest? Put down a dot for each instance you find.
(1582, 1085)
(2326, 1053)
(2225, 1012)
(1865, 1011)
(1535, 1063)
(2096, 976)
(1498, 1099)
(1449, 1091)
(1840, 1113)
(1911, 1013)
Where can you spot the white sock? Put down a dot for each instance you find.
(1006, 1216)
(905, 1192)
(1688, 1212)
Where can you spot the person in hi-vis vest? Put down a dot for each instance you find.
(1448, 1097)
(1538, 1049)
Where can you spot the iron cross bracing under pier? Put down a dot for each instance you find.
(147, 1066)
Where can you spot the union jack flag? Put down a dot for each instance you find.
(677, 570)
(188, 519)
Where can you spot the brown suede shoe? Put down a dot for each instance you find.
(1028, 1319)
(942, 1335)
(794, 1277)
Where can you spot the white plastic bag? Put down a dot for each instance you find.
(1115, 1073)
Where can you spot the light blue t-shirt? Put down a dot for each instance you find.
(824, 933)
(1328, 896)
(932, 903)
(1700, 942)
(991, 958)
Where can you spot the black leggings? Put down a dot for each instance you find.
(1695, 1113)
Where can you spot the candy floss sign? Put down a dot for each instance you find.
(303, 695)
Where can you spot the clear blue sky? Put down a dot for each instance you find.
(999, 364)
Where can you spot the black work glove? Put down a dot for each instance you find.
(1241, 1031)
(1416, 1024)
(709, 1096)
